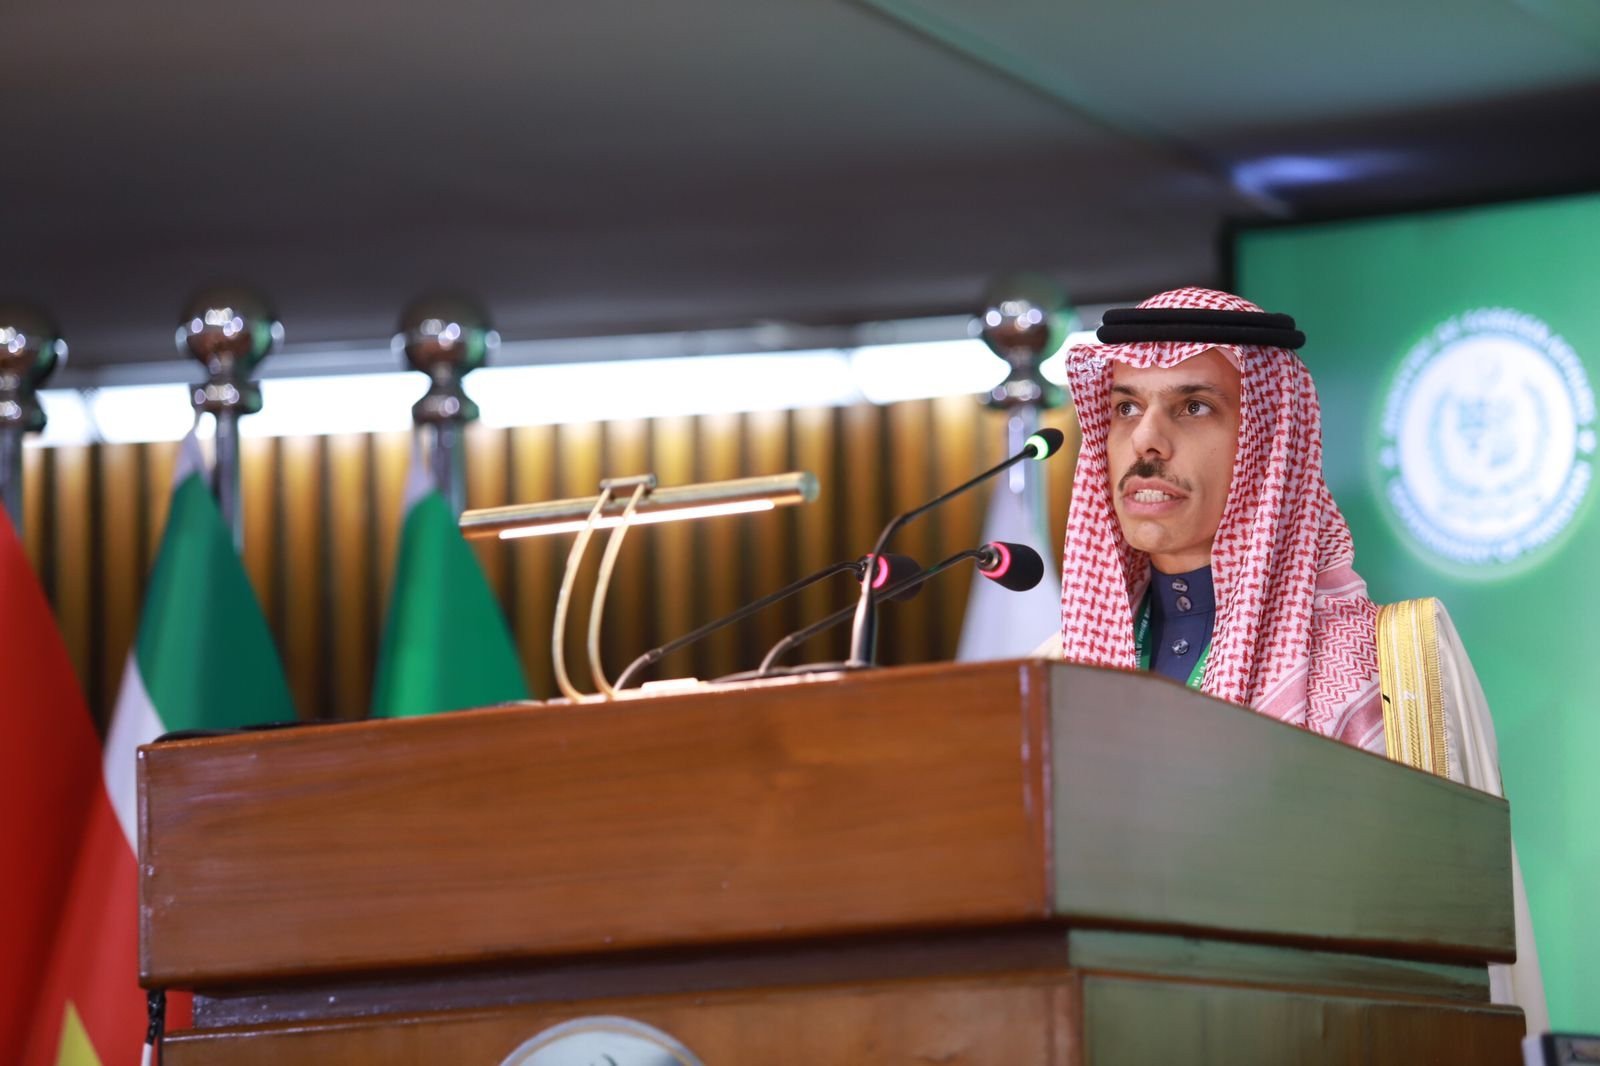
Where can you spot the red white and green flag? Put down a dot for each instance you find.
(203, 659)
(49, 777)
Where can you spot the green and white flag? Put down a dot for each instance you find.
(999, 623)
(204, 657)
(445, 646)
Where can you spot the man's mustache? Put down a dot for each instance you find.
(1153, 468)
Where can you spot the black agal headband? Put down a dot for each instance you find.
(1129, 325)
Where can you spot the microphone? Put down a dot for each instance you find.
(892, 570)
(1013, 566)
(1040, 446)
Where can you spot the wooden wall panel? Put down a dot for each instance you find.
(258, 490)
(487, 485)
(350, 577)
(717, 566)
(534, 563)
(391, 463)
(305, 574)
(816, 448)
(859, 507)
(905, 628)
(673, 605)
(72, 581)
(770, 561)
(34, 514)
(960, 446)
(322, 524)
(120, 567)
(159, 462)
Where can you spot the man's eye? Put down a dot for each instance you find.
(1125, 409)
(1196, 407)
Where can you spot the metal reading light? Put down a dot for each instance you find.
(680, 503)
(624, 502)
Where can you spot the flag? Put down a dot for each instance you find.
(1001, 624)
(203, 659)
(446, 645)
(49, 771)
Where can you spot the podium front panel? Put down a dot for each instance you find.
(980, 863)
(902, 799)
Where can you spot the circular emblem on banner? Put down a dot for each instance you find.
(602, 1041)
(1487, 440)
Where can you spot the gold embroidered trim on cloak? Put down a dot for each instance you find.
(1413, 691)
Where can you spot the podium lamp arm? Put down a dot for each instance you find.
(608, 562)
(558, 651)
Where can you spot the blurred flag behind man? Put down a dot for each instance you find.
(446, 645)
(999, 623)
(203, 659)
(49, 776)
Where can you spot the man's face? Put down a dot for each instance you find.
(1174, 435)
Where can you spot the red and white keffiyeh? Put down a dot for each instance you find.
(1295, 634)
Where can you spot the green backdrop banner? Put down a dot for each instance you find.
(1455, 353)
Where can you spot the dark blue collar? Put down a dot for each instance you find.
(1176, 596)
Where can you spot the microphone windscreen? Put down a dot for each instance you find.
(1015, 566)
(892, 569)
(1046, 442)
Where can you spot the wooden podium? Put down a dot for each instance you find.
(1019, 862)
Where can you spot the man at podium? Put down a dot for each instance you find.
(1203, 544)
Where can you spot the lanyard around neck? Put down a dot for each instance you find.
(1141, 636)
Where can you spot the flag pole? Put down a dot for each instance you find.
(229, 331)
(1024, 321)
(446, 337)
(30, 349)
(445, 642)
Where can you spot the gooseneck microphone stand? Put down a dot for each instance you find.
(891, 569)
(1015, 566)
(863, 635)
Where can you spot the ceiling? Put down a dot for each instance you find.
(602, 167)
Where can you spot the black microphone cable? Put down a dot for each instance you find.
(892, 570)
(1013, 566)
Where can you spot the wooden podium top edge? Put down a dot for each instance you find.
(921, 797)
